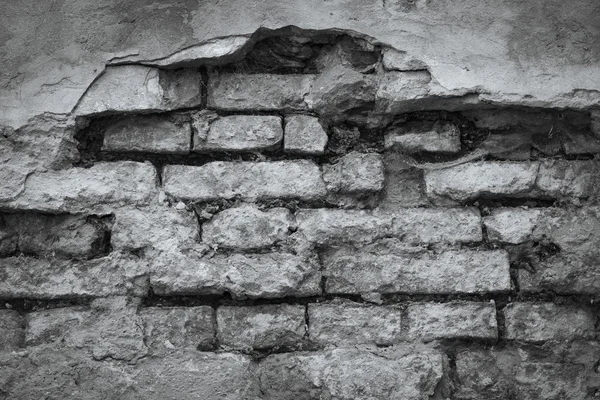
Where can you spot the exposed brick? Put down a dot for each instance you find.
(99, 188)
(577, 143)
(563, 274)
(110, 328)
(562, 178)
(158, 227)
(355, 173)
(540, 322)
(261, 327)
(9, 235)
(269, 275)
(299, 179)
(171, 328)
(304, 135)
(155, 134)
(352, 323)
(441, 137)
(404, 185)
(511, 225)
(258, 91)
(349, 270)
(136, 88)
(247, 227)
(53, 235)
(457, 320)
(12, 332)
(27, 277)
(393, 373)
(240, 133)
(481, 179)
(323, 226)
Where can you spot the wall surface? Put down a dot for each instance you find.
(300, 200)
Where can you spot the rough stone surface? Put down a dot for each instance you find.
(12, 332)
(157, 227)
(109, 328)
(261, 327)
(546, 321)
(511, 225)
(240, 133)
(114, 275)
(562, 178)
(581, 143)
(167, 329)
(53, 235)
(101, 187)
(354, 173)
(440, 138)
(270, 275)
(404, 185)
(346, 324)
(481, 179)
(304, 135)
(299, 179)
(375, 271)
(393, 373)
(246, 227)
(457, 320)
(262, 92)
(147, 134)
(395, 60)
(136, 88)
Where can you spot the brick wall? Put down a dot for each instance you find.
(310, 222)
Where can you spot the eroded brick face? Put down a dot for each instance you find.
(305, 219)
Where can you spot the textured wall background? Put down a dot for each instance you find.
(396, 200)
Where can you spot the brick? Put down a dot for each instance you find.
(433, 225)
(352, 323)
(546, 321)
(393, 373)
(246, 227)
(27, 277)
(355, 173)
(456, 320)
(577, 143)
(167, 329)
(99, 189)
(136, 88)
(299, 179)
(153, 134)
(350, 271)
(511, 225)
(403, 91)
(12, 332)
(258, 92)
(158, 227)
(304, 135)
(441, 137)
(109, 328)
(562, 178)
(404, 185)
(270, 275)
(240, 133)
(261, 327)
(325, 226)
(58, 235)
(481, 179)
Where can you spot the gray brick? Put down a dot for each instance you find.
(270, 275)
(304, 135)
(240, 133)
(299, 179)
(562, 178)
(352, 323)
(547, 321)
(258, 91)
(435, 225)
(364, 271)
(154, 134)
(167, 329)
(457, 320)
(12, 330)
(512, 225)
(404, 185)
(355, 173)
(441, 137)
(247, 227)
(261, 327)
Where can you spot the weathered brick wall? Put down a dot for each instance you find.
(312, 222)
